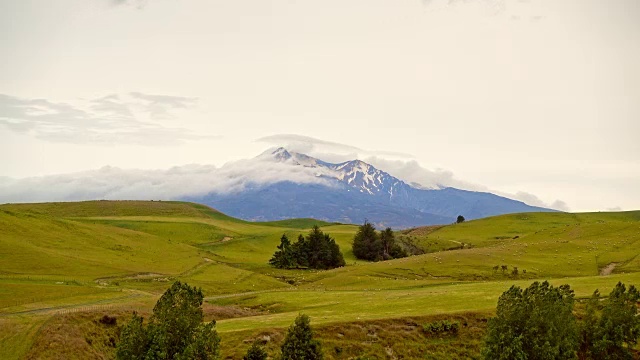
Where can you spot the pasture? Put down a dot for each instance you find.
(61, 259)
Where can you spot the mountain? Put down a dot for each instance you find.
(351, 192)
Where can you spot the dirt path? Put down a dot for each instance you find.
(607, 270)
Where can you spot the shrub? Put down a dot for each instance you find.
(255, 352)
(442, 327)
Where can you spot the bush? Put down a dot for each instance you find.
(255, 352)
(440, 327)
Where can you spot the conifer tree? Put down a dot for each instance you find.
(299, 343)
(284, 257)
(366, 242)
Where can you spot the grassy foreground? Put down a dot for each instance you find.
(63, 265)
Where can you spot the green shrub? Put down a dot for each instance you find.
(442, 327)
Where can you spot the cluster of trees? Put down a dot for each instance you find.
(370, 245)
(539, 323)
(176, 332)
(316, 251)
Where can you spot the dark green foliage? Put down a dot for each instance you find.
(133, 340)
(299, 343)
(610, 328)
(534, 324)
(255, 352)
(284, 257)
(369, 245)
(317, 251)
(442, 327)
(460, 219)
(175, 330)
(366, 243)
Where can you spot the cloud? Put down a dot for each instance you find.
(615, 208)
(111, 119)
(532, 199)
(515, 10)
(112, 183)
(160, 105)
(326, 150)
(491, 7)
(137, 3)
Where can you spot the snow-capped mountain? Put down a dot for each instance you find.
(353, 191)
(355, 174)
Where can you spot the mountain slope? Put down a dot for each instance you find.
(351, 192)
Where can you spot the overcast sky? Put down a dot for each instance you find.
(537, 99)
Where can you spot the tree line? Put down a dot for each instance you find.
(317, 250)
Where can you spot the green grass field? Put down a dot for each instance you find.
(59, 258)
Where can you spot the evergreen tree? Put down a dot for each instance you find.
(536, 323)
(299, 343)
(366, 242)
(301, 251)
(284, 257)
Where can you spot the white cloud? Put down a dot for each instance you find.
(112, 119)
(112, 183)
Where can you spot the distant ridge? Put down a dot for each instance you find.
(353, 191)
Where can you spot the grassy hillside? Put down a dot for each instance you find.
(58, 258)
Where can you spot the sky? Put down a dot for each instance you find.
(532, 99)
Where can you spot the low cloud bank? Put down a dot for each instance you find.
(111, 183)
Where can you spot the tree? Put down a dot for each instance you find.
(536, 323)
(175, 330)
(299, 343)
(255, 352)
(460, 219)
(611, 332)
(366, 244)
(284, 257)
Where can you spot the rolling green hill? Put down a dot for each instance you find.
(85, 257)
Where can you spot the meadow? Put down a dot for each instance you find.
(63, 265)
